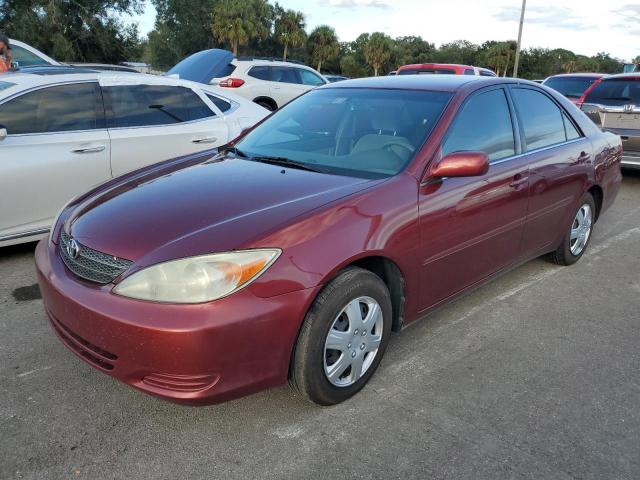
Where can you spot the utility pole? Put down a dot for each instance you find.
(515, 64)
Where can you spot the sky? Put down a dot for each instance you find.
(583, 26)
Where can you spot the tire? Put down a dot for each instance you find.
(313, 359)
(569, 252)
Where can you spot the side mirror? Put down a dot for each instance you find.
(3, 133)
(462, 164)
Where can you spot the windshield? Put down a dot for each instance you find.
(572, 87)
(370, 133)
(616, 92)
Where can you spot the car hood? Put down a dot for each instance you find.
(218, 205)
(202, 66)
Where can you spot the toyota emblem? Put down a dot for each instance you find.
(73, 249)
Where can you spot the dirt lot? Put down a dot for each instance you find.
(536, 375)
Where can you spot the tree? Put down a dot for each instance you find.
(460, 51)
(289, 29)
(377, 50)
(168, 43)
(500, 55)
(323, 44)
(79, 30)
(412, 49)
(239, 21)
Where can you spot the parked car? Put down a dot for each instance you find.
(574, 86)
(57, 139)
(614, 105)
(294, 252)
(443, 69)
(104, 67)
(335, 78)
(267, 82)
(24, 55)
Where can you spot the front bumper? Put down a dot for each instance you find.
(195, 354)
(630, 160)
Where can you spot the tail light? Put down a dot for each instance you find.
(231, 83)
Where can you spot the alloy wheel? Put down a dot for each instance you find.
(581, 229)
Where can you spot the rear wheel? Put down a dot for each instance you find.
(578, 234)
(343, 337)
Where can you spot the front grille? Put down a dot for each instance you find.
(90, 264)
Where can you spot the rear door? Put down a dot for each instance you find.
(559, 158)
(472, 227)
(57, 147)
(151, 123)
(286, 85)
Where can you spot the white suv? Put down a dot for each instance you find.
(269, 83)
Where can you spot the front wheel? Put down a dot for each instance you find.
(343, 337)
(578, 234)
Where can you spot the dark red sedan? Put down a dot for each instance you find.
(350, 213)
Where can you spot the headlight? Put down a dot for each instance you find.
(197, 279)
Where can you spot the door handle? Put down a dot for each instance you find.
(205, 140)
(584, 157)
(94, 149)
(518, 180)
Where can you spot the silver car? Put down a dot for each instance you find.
(614, 105)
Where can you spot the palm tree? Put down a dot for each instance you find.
(377, 50)
(570, 66)
(289, 30)
(239, 21)
(499, 56)
(323, 44)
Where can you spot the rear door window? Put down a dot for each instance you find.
(616, 92)
(61, 108)
(570, 130)
(484, 124)
(285, 75)
(147, 105)
(261, 73)
(541, 118)
(223, 105)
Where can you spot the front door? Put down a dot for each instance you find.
(472, 227)
(57, 147)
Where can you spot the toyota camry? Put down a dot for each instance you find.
(293, 253)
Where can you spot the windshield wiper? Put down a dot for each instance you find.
(236, 151)
(286, 162)
(617, 98)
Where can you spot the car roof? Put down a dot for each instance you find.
(579, 74)
(272, 63)
(443, 83)
(25, 81)
(623, 75)
(434, 65)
